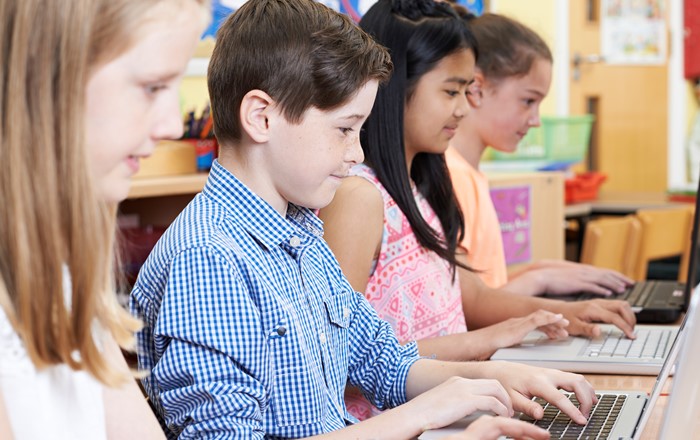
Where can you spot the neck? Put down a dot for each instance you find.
(247, 164)
(468, 143)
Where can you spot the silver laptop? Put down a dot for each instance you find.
(611, 353)
(624, 414)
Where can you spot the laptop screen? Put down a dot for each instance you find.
(668, 365)
(693, 261)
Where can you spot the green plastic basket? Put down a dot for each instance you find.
(558, 139)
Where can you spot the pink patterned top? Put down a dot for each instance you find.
(410, 287)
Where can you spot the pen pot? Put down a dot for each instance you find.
(206, 150)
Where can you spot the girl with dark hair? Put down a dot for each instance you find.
(401, 251)
(512, 78)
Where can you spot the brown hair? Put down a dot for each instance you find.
(300, 52)
(54, 229)
(506, 47)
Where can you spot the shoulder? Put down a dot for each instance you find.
(354, 196)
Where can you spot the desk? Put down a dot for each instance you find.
(618, 203)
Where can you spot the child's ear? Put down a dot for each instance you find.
(475, 89)
(255, 107)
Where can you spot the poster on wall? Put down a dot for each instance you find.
(354, 8)
(633, 31)
(513, 209)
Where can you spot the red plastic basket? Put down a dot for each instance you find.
(584, 186)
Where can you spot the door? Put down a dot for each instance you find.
(629, 138)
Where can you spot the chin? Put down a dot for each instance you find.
(116, 192)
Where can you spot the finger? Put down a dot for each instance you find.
(519, 429)
(596, 289)
(494, 389)
(527, 406)
(616, 317)
(583, 328)
(556, 398)
(487, 404)
(584, 393)
(554, 332)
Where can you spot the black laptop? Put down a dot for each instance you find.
(655, 301)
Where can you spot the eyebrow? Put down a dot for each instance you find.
(354, 116)
(536, 92)
(160, 76)
(459, 80)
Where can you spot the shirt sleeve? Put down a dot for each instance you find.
(378, 363)
(208, 378)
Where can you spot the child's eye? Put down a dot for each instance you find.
(152, 89)
(452, 93)
(346, 130)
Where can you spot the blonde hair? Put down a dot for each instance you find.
(51, 218)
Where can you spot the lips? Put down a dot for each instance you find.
(133, 163)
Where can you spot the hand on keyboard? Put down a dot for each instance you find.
(583, 314)
(522, 382)
(492, 428)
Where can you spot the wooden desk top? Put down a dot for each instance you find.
(619, 203)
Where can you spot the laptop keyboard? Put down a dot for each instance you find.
(600, 423)
(650, 344)
(637, 295)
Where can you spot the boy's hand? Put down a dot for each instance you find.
(458, 397)
(492, 428)
(524, 382)
(582, 314)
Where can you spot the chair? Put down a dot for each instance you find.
(665, 233)
(612, 243)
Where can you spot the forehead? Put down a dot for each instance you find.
(356, 107)
(457, 67)
(538, 79)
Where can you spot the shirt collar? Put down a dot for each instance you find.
(254, 214)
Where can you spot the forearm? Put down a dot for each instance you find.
(404, 422)
(466, 346)
(525, 283)
(484, 306)
(426, 374)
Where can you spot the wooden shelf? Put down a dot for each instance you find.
(167, 185)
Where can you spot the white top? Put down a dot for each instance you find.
(56, 402)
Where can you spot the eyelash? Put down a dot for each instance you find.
(152, 89)
(346, 130)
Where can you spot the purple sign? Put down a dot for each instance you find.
(513, 209)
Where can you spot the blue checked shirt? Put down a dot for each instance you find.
(251, 329)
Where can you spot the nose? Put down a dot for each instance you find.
(355, 154)
(462, 107)
(535, 120)
(167, 120)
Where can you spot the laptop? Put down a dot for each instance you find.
(610, 353)
(624, 414)
(655, 301)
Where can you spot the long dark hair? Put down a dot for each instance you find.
(418, 34)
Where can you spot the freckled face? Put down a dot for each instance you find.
(319, 151)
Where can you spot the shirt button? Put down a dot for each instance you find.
(294, 241)
(322, 338)
(346, 312)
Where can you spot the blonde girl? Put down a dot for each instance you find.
(87, 87)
